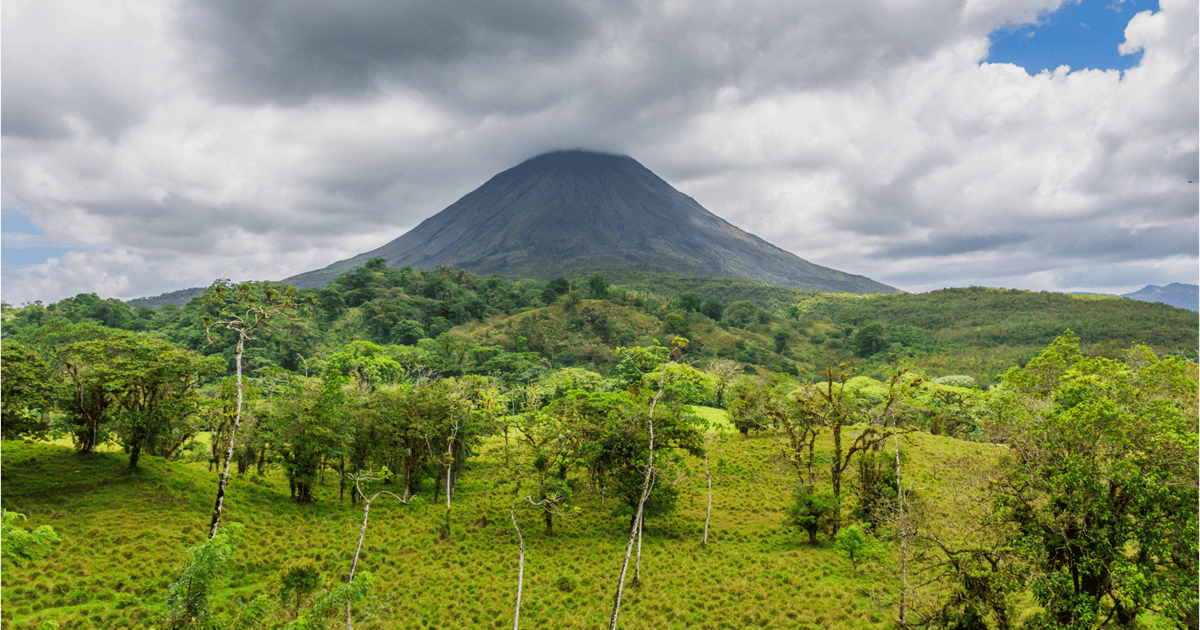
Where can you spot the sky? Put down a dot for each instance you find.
(1033, 144)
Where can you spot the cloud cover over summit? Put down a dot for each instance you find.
(178, 142)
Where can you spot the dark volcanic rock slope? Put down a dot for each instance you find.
(581, 211)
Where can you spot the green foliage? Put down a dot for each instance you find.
(868, 340)
(27, 392)
(318, 613)
(425, 412)
(713, 310)
(304, 428)
(188, 597)
(781, 341)
(1100, 492)
(365, 364)
(741, 314)
(555, 289)
(858, 545)
(298, 578)
(676, 324)
(812, 512)
(981, 332)
(18, 544)
(136, 385)
(597, 287)
(687, 302)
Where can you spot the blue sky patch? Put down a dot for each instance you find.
(23, 245)
(1079, 34)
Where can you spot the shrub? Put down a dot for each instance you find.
(856, 544)
(297, 579)
(812, 512)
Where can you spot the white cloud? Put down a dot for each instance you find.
(189, 141)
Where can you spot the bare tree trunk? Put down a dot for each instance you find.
(520, 566)
(637, 563)
(708, 513)
(237, 420)
(362, 533)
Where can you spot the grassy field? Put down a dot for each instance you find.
(124, 536)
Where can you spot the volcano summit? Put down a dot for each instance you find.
(579, 211)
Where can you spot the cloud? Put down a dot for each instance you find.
(187, 141)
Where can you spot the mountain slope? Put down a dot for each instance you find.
(572, 211)
(1176, 294)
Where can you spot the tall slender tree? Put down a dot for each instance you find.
(243, 309)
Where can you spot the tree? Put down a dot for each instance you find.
(869, 340)
(554, 445)
(155, 385)
(676, 324)
(297, 579)
(722, 371)
(636, 527)
(1100, 491)
(365, 364)
(675, 428)
(27, 392)
(597, 287)
(781, 341)
(857, 545)
(688, 302)
(306, 428)
(832, 405)
(138, 384)
(555, 288)
(741, 314)
(795, 416)
(812, 511)
(547, 505)
(242, 309)
(88, 398)
(359, 479)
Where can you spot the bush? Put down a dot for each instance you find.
(812, 512)
(856, 544)
(297, 579)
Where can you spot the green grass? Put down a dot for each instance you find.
(124, 535)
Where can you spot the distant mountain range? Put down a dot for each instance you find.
(1185, 296)
(1176, 294)
(572, 212)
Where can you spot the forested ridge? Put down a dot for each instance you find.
(969, 458)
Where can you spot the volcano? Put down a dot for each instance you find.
(570, 212)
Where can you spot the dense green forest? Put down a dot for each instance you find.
(579, 453)
(456, 322)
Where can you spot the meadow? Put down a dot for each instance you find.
(124, 535)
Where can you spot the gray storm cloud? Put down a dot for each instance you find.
(261, 139)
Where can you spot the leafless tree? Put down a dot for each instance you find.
(549, 504)
(359, 479)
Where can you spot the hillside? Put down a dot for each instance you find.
(124, 536)
(542, 413)
(976, 331)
